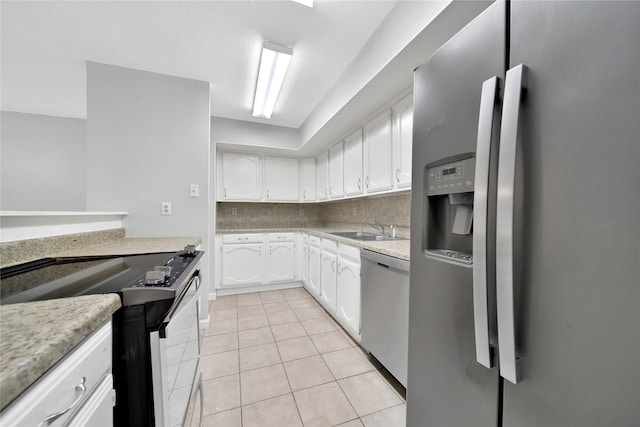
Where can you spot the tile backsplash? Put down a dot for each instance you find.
(387, 210)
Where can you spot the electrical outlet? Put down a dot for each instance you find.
(301, 212)
(194, 190)
(234, 211)
(354, 212)
(166, 208)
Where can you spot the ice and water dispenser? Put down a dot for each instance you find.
(450, 191)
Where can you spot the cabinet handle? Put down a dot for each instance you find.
(243, 238)
(267, 194)
(359, 183)
(366, 182)
(225, 193)
(304, 194)
(397, 172)
(333, 265)
(82, 388)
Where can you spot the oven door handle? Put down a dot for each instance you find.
(180, 304)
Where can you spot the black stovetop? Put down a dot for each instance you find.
(52, 278)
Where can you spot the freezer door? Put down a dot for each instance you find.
(446, 385)
(577, 202)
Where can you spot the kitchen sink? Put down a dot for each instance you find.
(359, 235)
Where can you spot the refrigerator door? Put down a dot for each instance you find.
(577, 206)
(446, 385)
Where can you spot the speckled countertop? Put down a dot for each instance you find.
(35, 336)
(395, 248)
(134, 245)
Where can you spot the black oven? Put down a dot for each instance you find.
(156, 342)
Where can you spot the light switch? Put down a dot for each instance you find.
(194, 190)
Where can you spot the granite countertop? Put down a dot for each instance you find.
(133, 245)
(36, 335)
(395, 248)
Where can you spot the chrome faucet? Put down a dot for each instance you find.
(376, 226)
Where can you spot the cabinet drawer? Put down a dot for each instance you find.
(350, 252)
(60, 388)
(280, 237)
(242, 238)
(329, 245)
(315, 240)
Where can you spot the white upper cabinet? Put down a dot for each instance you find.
(353, 164)
(280, 179)
(336, 171)
(322, 176)
(378, 154)
(308, 179)
(241, 177)
(402, 141)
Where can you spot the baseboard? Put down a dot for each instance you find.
(257, 288)
(204, 323)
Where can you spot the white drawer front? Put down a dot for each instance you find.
(329, 245)
(315, 240)
(60, 388)
(347, 251)
(280, 237)
(242, 238)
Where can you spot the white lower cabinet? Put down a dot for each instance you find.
(281, 258)
(256, 259)
(241, 264)
(328, 275)
(77, 391)
(348, 290)
(315, 257)
(333, 279)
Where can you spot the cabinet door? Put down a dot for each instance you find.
(308, 178)
(353, 164)
(314, 271)
(328, 280)
(280, 179)
(281, 262)
(241, 176)
(305, 264)
(377, 149)
(241, 264)
(348, 296)
(322, 175)
(336, 171)
(402, 141)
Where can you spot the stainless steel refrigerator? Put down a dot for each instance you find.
(525, 278)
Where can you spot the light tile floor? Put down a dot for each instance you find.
(277, 359)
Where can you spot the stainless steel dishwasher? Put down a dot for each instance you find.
(385, 311)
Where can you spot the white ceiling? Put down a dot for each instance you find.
(45, 46)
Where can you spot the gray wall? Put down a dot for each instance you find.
(43, 163)
(148, 139)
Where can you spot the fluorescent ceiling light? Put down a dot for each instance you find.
(308, 3)
(273, 67)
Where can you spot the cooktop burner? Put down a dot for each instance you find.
(65, 277)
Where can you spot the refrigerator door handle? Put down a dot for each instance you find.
(515, 82)
(480, 201)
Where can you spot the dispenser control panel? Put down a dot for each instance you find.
(455, 177)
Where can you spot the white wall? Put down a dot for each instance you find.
(229, 133)
(43, 163)
(148, 140)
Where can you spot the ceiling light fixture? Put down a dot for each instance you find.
(273, 67)
(308, 3)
